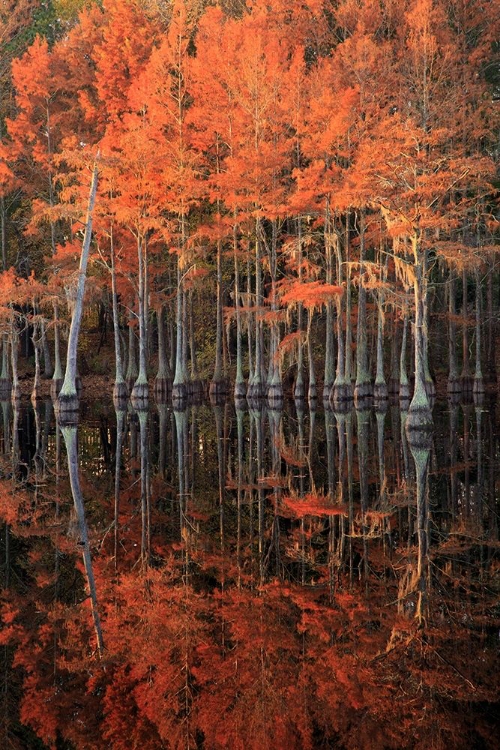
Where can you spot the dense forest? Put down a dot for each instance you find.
(296, 198)
(214, 218)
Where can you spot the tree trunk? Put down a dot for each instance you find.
(453, 379)
(120, 390)
(239, 385)
(70, 439)
(363, 386)
(419, 413)
(478, 387)
(139, 393)
(163, 381)
(68, 396)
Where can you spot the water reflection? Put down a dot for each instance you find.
(268, 578)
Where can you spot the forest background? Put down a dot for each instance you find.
(296, 198)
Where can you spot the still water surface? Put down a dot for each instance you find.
(249, 579)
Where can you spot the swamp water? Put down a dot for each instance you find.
(215, 578)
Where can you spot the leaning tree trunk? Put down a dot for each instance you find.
(70, 438)
(67, 403)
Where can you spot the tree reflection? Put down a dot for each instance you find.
(311, 582)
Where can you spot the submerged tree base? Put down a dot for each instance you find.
(454, 385)
(240, 390)
(275, 395)
(255, 390)
(15, 394)
(380, 392)
(341, 394)
(478, 386)
(5, 389)
(404, 392)
(299, 392)
(139, 396)
(120, 394)
(362, 391)
(67, 408)
(179, 396)
(419, 419)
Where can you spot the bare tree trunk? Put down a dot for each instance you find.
(139, 393)
(70, 439)
(68, 396)
(120, 390)
(478, 386)
(363, 387)
(419, 413)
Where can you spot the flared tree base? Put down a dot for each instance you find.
(139, 396)
(240, 404)
(327, 394)
(240, 390)
(380, 393)
(404, 392)
(5, 389)
(275, 396)
(67, 409)
(299, 391)
(478, 387)
(255, 391)
(419, 419)
(342, 394)
(454, 385)
(179, 396)
(362, 392)
(120, 395)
